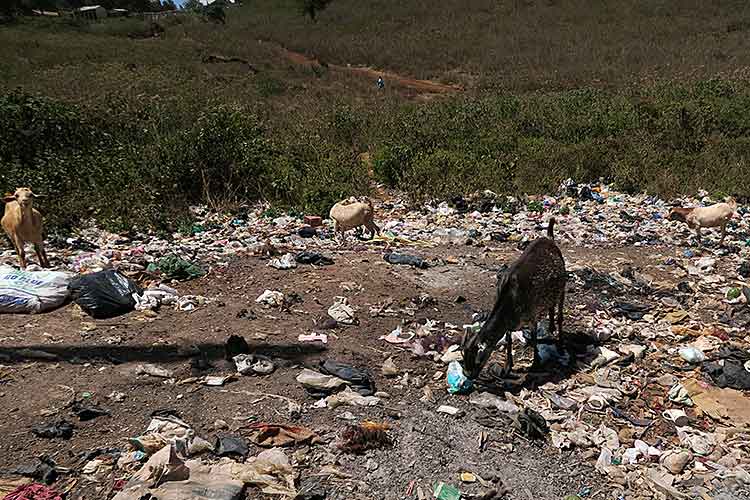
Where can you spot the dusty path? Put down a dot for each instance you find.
(422, 88)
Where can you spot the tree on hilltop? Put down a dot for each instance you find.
(312, 7)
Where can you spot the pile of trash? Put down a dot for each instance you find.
(653, 393)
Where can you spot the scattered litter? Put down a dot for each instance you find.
(468, 477)
(398, 336)
(389, 368)
(61, 429)
(727, 406)
(153, 370)
(272, 435)
(359, 379)
(86, 412)
(317, 382)
(33, 492)
(530, 423)
(313, 258)
(176, 268)
(313, 337)
(457, 381)
(408, 260)
(249, 364)
(167, 477)
(448, 410)
(285, 262)
(348, 397)
(446, 492)
(32, 292)
(692, 355)
(342, 312)
(270, 471)
(228, 445)
(487, 400)
(271, 298)
(365, 436)
(105, 294)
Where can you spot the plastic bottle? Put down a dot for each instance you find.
(457, 381)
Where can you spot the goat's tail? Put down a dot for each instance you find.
(550, 228)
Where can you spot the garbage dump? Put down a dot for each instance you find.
(644, 396)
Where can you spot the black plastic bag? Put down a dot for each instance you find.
(409, 260)
(105, 294)
(313, 258)
(227, 445)
(60, 429)
(361, 380)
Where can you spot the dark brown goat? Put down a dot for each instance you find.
(532, 286)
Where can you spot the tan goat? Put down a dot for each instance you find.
(352, 213)
(717, 215)
(23, 223)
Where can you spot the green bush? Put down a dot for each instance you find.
(90, 166)
(667, 139)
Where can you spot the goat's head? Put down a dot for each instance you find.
(477, 347)
(23, 196)
(678, 214)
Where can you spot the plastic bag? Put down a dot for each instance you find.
(404, 259)
(105, 294)
(457, 381)
(360, 380)
(176, 268)
(32, 292)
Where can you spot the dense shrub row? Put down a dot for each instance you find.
(667, 140)
(126, 165)
(128, 168)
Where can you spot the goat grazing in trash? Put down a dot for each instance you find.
(23, 223)
(532, 286)
(717, 215)
(353, 213)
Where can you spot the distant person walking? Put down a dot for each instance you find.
(380, 83)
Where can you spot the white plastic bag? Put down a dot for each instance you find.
(30, 292)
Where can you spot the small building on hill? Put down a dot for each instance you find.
(45, 13)
(206, 3)
(91, 12)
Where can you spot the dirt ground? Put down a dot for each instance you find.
(81, 355)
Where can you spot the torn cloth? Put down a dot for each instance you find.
(270, 435)
(33, 492)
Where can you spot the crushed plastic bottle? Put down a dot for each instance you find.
(457, 381)
(692, 355)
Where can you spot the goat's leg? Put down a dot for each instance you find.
(561, 345)
(508, 353)
(373, 228)
(18, 243)
(723, 233)
(698, 235)
(560, 315)
(552, 320)
(535, 345)
(41, 254)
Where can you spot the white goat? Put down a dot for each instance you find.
(351, 213)
(717, 215)
(22, 223)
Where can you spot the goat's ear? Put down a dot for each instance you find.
(8, 198)
(34, 195)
